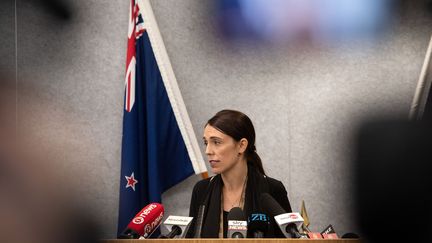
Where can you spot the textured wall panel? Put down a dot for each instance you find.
(304, 102)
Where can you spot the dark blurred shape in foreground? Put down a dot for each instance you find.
(37, 203)
(61, 9)
(305, 20)
(393, 167)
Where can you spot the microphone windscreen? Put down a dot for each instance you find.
(236, 214)
(270, 206)
(237, 225)
(147, 220)
(258, 223)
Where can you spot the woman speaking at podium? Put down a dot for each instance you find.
(229, 139)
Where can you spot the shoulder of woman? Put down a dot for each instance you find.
(202, 184)
(275, 185)
(278, 192)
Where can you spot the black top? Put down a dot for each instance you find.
(208, 192)
(225, 224)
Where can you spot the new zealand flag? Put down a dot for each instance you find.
(154, 153)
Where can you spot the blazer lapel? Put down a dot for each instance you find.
(212, 218)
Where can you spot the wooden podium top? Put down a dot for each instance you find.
(249, 240)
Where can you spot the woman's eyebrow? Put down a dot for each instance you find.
(212, 138)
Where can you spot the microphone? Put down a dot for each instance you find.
(199, 221)
(145, 222)
(201, 211)
(237, 225)
(177, 225)
(258, 225)
(292, 222)
(289, 223)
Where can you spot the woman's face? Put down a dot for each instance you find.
(222, 150)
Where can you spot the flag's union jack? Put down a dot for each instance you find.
(135, 30)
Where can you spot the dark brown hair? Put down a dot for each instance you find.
(237, 125)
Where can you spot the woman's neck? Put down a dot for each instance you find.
(234, 178)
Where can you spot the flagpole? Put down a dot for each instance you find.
(423, 87)
(204, 175)
(172, 89)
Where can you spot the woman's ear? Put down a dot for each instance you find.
(243, 145)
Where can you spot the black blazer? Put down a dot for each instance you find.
(208, 192)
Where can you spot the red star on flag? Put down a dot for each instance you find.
(131, 181)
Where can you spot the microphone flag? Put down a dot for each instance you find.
(159, 146)
(305, 217)
(329, 233)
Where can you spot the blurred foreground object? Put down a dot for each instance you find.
(421, 107)
(60, 9)
(37, 203)
(302, 20)
(392, 168)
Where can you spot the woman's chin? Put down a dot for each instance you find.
(216, 171)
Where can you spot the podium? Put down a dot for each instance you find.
(249, 240)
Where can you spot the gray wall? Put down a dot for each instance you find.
(304, 102)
